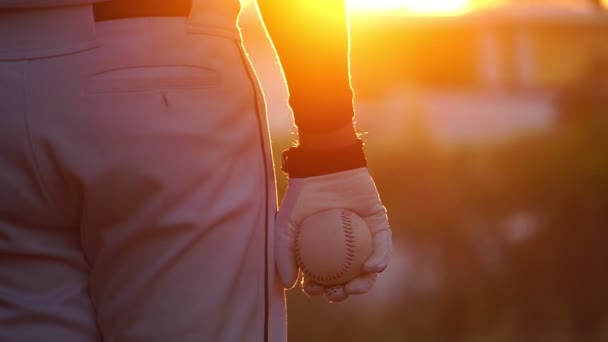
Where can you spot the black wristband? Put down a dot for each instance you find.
(300, 162)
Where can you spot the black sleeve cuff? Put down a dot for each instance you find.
(300, 162)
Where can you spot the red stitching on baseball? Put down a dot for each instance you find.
(350, 242)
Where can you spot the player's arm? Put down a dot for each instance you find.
(312, 43)
(328, 169)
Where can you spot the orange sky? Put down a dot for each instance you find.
(438, 7)
(446, 7)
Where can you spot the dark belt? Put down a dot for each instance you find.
(118, 9)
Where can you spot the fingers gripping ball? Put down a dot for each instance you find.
(331, 246)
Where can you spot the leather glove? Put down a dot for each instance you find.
(353, 190)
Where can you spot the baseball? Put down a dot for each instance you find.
(332, 246)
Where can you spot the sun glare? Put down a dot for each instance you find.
(417, 7)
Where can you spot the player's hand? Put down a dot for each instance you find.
(353, 190)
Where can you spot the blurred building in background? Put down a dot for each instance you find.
(485, 74)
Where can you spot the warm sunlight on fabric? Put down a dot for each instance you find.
(421, 7)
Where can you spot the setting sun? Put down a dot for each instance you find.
(421, 7)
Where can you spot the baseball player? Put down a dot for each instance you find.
(136, 180)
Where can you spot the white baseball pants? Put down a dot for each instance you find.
(136, 182)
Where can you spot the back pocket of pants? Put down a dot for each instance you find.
(146, 78)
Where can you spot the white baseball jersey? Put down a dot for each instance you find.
(137, 195)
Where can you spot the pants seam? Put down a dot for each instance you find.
(47, 193)
(266, 161)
